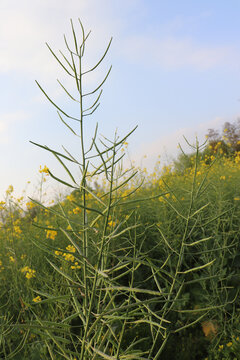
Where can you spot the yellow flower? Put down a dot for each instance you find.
(223, 177)
(111, 223)
(2, 203)
(58, 252)
(44, 170)
(69, 257)
(70, 197)
(37, 299)
(17, 230)
(220, 347)
(51, 234)
(77, 210)
(9, 190)
(76, 266)
(71, 248)
(229, 344)
(29, 272)
(11, 258)
(30, 205)
(25, 268)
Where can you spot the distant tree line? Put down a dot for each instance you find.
(224, 143)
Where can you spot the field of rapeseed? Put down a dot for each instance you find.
(39, 263)
(128, 265)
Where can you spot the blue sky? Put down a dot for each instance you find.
(176, 71)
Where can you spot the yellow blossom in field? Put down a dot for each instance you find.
(11, 258)
(30, 205)
(44, 170)
(77, 210)
(237, 198)
(76, 266)
(237, 157)
(23, 256)
(17, 229)
(51, 234)
(37, 299)
(2, 205)
(220, 347)
(223, 177)
(161, 183)
(57, 252)
(71, 197)
(9, 190)
(69, 257)
(111, 223)
(71, 248)
(29, 273)
(229, 344)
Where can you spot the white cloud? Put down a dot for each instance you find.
(25, 27)
(175, 52)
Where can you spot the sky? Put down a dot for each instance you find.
(175, 72)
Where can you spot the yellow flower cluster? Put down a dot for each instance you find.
(37, 299)
(71, 197)
(10, 190)
(112, 223)
(229, 344)
(29, 273)
(16, 228)
(69, 257)
(30, 205)
(2, 205)
(77, 210)
(51, 234)
(44, 170)
(12, 259)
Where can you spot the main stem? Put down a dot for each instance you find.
(85, 245)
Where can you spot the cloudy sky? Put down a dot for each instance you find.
(176, 71)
